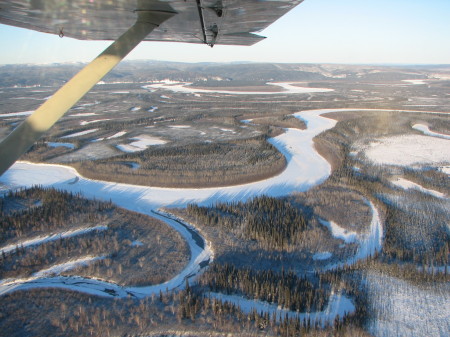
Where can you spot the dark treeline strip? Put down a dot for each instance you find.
(285, 288)
(194, 165)
(53, 209)
(274, 223)
(188, 312)
(400, 247)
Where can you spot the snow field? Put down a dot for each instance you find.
(140, 143)
(81, 133)
(62, 267)
(338, 304)
(403, 309)
(15, 114)
(426, 130)
(338, 232)
(52, 237)
(409, 150)
(184, 87)
(408, 184)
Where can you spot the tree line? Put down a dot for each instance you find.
(274, 223)
(52, 209)
(285, 289)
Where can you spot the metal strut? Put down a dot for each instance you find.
(30, 130)
(202, 20)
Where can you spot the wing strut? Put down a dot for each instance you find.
(30, 130)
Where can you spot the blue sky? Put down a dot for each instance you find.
(316, 31)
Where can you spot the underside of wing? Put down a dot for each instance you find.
(229, 22)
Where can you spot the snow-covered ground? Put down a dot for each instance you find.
(94, 121)
(415, 82)
(409, 150)
(402, 309)
(47, 238)
(338, 232)
(426, 130)
(185, 87)
(338, 304)
(83, 114)
(408, 184)
(179, 126)
(431, 149)
(369, 242)
(141, 143)
(445, 169)
(15, 114)
(66, 266)
(81, 133)
(117, 135)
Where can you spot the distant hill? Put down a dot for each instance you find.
(144, 71)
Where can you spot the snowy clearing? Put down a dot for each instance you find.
(141, 143)
(117, 135)
(184, 87)
(338, 304)
(15, 114)
(179, 126)
(84, 114)
(408, 150)
(403, 309)
(369, 242)
(81, 133)
(408, 184)
(94, 121)
(62, 267)
(338, 232)
(52, 237)
(445, 169)
(426, 130)
(415, 82)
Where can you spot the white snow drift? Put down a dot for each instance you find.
(184, 87)
(141, 143)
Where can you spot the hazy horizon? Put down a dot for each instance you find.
(320, 31)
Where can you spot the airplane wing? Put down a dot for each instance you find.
(228, 22)
(127, 22)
